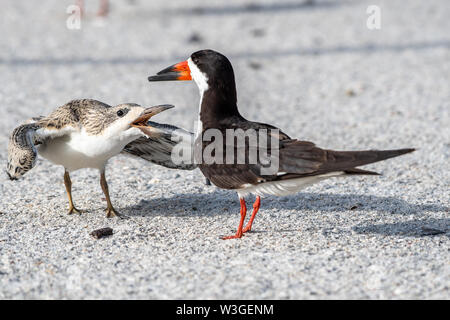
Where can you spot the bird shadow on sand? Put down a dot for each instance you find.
(243, 55)
(222, 202)
(252, 7)
(410, 228)
(247, 53)
(225, 203)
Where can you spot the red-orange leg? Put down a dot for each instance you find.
(256, 206)
(241, 223)
(104, 8)
(80, 4)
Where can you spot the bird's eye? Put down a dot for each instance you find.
(120, 113)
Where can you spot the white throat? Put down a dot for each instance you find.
(202, 83)
(199, 77)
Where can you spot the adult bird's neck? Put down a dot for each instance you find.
(218, 104)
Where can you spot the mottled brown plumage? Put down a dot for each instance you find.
(86, 134)
(92, 115)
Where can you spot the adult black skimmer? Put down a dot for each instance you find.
(299, 163)
(86, 134)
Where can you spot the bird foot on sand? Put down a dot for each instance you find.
(238, 235)
(247, 229)
(74, 210)
(111, 212)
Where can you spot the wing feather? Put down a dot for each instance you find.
(22, 152)
(159, 147)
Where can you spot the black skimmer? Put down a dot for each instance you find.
(86, 134)
(299, 163)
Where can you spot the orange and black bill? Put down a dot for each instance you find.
(179, 71)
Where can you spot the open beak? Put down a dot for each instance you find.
(141, 121)
(179, 71)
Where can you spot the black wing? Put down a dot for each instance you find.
(159, 147)
(293, 159)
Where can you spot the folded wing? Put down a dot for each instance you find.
(158, 147)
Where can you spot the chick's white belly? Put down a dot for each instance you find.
(79, 151)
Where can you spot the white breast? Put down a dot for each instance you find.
(283, 187)
(78, 150)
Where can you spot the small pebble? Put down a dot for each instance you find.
(195, 38)
(255, 65)
(100, 233)
(258, 33)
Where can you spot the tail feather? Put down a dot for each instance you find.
(348, 160)
(304, 158)
(361, 171)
